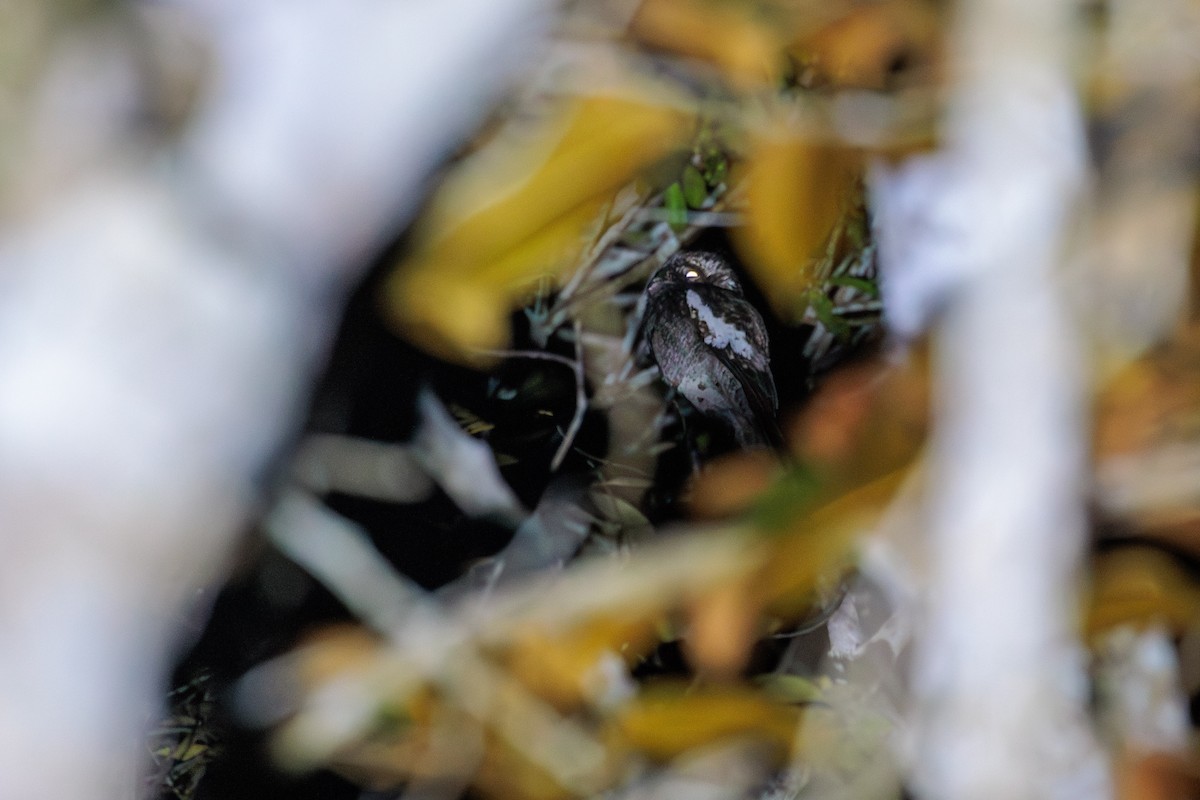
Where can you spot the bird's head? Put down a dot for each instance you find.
(693, 267)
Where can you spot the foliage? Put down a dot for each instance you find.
(542, 672)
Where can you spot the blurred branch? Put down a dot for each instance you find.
(429, 644)
(463, 466)
(162, 312)
(366, 468)
(977, 231)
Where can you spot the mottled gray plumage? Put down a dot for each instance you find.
(710, 344)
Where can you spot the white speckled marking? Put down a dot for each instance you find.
(719, 333)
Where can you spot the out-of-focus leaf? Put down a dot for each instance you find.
(869, 46)
(334, 651)
(788, 498)
(516, 211)
(666, 721)
(392, 756)
(822, 306)
(1158, 776)
(814, 548)
(787, 688)
(864, 422)
(505, 774)
(716, 169)
(473, 756)
(731, 484)
(676, 206)
(695, 190)
(1153, 401)
(797, 187)
(328, 463)
(567, 668)
(1147, 442)
(723, 627)
(552, 534)
(743, 45)
(1141, 586)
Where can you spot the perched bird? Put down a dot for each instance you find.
(710, 345)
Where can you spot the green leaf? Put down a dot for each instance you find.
(791, 495)
(716, 168)
(695, 191)
(676, 206)
(822, 306)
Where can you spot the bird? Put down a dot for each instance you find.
(710, 345)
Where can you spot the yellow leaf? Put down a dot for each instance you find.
(667, 721)
(333, 651)
(517, 211)
(748, 51)
(864, 48)
(796, 189)
(1141, 586)
(506, 775)
(817, 546)
(456, 308)
(564, 668)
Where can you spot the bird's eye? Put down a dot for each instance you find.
(691, 274)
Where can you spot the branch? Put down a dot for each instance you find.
(161, 316)
(978, 231)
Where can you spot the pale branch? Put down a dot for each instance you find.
(977, 231)
(163, 312)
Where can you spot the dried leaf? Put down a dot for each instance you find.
(572, 669)
(1158, 776)
(1152, 401)
(667, 721)
(1141, 586)
(517, 211)
(814, 548)
(731, 484)
(797, 187)
(865, 48)
(743, 46)
(865, 421)
(723, 627)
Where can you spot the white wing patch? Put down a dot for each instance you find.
(718, 333)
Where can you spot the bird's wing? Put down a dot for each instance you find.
(735, 333)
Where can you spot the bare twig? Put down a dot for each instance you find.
(581, 402)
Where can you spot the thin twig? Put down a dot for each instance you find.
(537, 354)
(580, 401)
